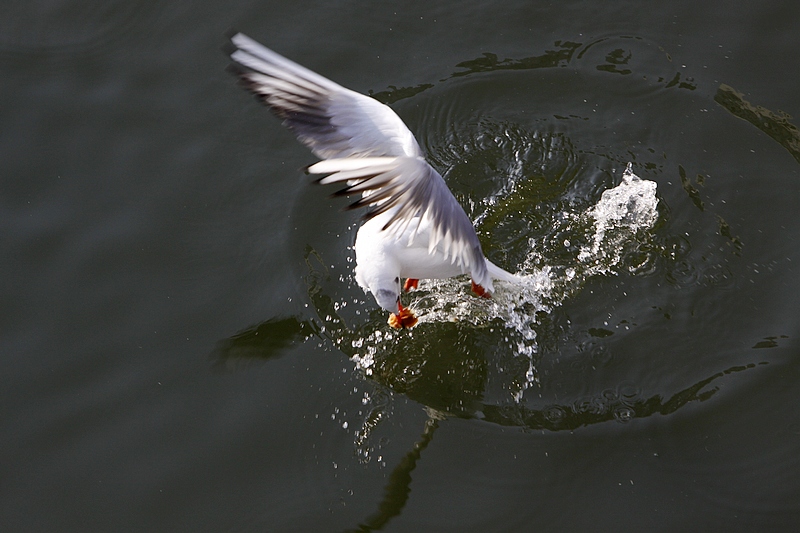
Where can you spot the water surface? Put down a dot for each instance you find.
(184, 346)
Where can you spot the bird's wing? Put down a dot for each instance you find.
(366, 145)
(408, 190)
(331, 120)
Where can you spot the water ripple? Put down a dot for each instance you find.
(61, 27)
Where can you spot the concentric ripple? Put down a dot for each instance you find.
(599, 237)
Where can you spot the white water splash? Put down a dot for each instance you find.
(630, 206)
(622, 213)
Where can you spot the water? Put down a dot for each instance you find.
(184, 347)
(612, 224)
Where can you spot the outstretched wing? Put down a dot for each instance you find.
(331, 120)
(365, 145)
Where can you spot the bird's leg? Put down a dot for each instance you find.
(403, 318)
(480, 291)
(411, 283)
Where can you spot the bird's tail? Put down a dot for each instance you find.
(498, 273)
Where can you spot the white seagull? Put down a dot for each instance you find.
(415, 228)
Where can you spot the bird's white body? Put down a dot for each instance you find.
(382, 262)
(416, 228)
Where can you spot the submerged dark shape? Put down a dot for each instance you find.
(776, 125)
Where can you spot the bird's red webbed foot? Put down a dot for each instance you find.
(403, 318)
(410, 283)
(480, 291)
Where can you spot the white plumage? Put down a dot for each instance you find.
(415, 228)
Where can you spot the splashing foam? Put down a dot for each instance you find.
(607, 228)
(630, 207)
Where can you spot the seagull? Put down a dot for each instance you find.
(414, 228)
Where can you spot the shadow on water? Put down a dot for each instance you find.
(267, 340)
(399, 486)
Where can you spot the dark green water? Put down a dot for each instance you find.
(183, 346)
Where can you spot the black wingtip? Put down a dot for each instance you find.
(358, 204)
(341, 192)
